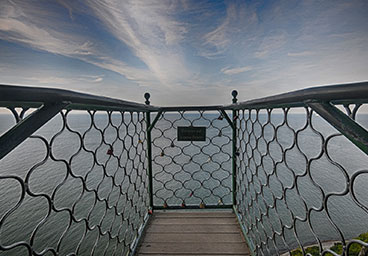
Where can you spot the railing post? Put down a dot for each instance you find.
(234, 93)
(149, 151)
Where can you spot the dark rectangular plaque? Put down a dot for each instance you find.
(191, 133)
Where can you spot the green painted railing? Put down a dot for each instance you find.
(81, 174)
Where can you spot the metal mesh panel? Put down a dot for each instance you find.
(192, 173)
(76, 187)
(299, 183)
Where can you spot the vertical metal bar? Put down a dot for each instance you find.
(149, 152)
(234, 94)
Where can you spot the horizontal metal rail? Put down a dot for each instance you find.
(23, 96)
(192, 108)
(336, 94)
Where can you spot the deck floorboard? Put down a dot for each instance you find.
(193, 233)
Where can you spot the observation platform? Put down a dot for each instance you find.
(193, 233)
(81, 174)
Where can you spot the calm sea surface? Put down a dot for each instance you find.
(47, 175)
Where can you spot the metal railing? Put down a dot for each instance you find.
(191, 174)
(80, 174)
(79, 184)
(302, 181)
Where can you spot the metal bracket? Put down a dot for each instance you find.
(343, 123)
(26, 127)
(159, 113)
(223, 112)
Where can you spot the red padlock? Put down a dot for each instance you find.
(110, 151)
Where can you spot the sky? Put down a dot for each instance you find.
(183, 52)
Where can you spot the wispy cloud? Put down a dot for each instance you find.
(92, 79)
(175, 49)
(237, 20)
(150, 32)
(300, 54)
(19, 30)
(47, 80)
(271, 43)
(233, 71)
(145, 28)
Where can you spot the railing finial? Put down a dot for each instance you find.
(147, 97)
(234, 93)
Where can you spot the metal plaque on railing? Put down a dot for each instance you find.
(191, 133)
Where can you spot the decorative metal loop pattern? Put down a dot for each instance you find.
(297, 182)
(76, 187)
(81, 184)
(192, 173)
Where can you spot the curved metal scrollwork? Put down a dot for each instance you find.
(297, 182)
(76, 187)
(192, 173)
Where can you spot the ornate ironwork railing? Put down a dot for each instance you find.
(77, 186)
(192, 174)
(302, 181)
(80, 174)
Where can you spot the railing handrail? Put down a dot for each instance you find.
(21, 96)
(192, 108)
(336, 94)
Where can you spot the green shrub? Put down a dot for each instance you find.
(354, 249)
(363, 237)
(337, 247)
(314, 250)
(297, 252)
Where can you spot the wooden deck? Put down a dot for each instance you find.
(193, 233)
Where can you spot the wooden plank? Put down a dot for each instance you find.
(192, 238)
(195, 221)
(193, 233)
(200, 228)
(195, 248)
(224, 214)
(164, 254)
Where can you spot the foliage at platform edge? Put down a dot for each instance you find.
(354, 249)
